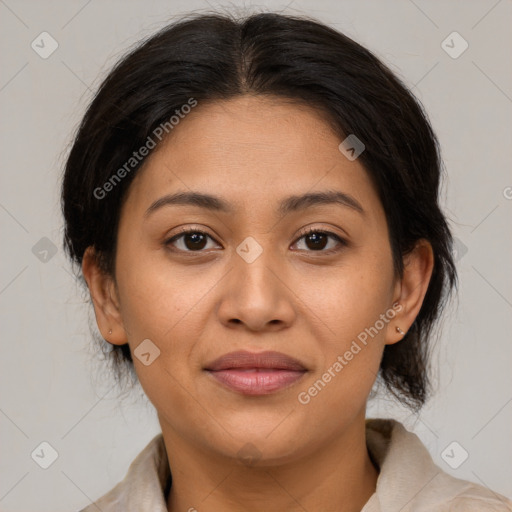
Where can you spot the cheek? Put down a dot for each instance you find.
(157, 295)
(165, 308)
(350, 310)
(349, 298)
(350, 304)
(167, 304)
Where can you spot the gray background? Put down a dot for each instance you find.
(53, 390)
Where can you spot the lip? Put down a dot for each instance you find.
(260, 373)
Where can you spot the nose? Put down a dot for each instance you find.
(256, 296)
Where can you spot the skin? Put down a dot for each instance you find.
(196, 306)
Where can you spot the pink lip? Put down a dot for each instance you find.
(252, 373)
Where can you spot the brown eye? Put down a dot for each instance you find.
(190, 240)
(317, 240)
(194, 241)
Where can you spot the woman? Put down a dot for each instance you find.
(254, 206)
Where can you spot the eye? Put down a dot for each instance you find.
(189, 240)
(317, 240)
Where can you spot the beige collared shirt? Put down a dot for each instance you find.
(409, 480)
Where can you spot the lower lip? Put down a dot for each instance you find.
(257, 381)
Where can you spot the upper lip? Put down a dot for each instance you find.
(245, 359)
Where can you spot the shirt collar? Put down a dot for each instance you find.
(408, 477)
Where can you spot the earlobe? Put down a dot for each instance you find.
(104, 298)
(411, 289)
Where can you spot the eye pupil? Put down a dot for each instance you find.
(318, 240)
(198, 241)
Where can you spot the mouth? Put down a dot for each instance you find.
(252, 373)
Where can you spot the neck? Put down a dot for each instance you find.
(338, 476)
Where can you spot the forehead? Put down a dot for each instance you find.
(252, 150)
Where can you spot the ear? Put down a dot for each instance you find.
(411, 289)
(104, 298)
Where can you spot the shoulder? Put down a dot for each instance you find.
(410, 481)
(142, 489)
(477, 498)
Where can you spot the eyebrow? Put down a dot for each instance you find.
(286, 206)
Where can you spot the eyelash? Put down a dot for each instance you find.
(342, 242)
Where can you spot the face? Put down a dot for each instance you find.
(249, 277)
